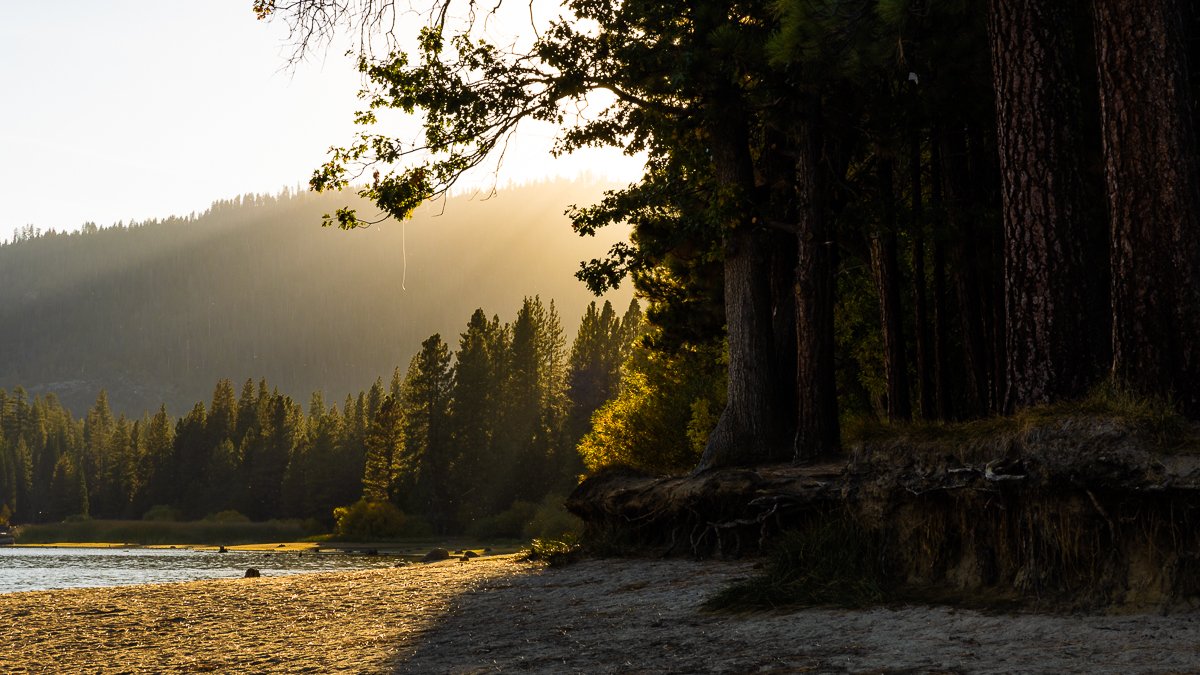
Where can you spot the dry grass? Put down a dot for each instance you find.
(1153, 421)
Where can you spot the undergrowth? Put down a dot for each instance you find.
(1156, 419)
(835, 561)
(165, 532)
(555, 552)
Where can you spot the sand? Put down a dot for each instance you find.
(340, 622)
(499, 615)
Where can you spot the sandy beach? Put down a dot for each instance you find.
(500, 615)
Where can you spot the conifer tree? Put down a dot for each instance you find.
(595, 364)
(190, 459)
(97, 458)
(157, 451)
(387, 454)
(1152, 174)
(221, 423)
(425, 404)
(473, 414)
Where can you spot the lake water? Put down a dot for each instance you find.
(34, 569)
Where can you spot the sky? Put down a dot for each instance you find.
(125, 110)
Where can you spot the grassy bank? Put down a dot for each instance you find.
(162, 532)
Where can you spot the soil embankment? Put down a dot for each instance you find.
(1082, 512)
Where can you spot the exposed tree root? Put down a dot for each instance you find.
(1082, 511)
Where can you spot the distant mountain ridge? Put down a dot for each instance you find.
(157, 312)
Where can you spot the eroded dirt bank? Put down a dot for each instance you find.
(1083, 511)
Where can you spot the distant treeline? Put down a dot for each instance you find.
(458, 437)
(154, 312)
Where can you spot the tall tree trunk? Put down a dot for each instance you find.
(1046, 291)
(749, 428)
(776, 173)
(817, 430)
(1151, 175)
(963, 231)
(941, 331)
(783, 319)
(886, 270)
(922, 329)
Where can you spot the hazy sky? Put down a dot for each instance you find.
(132, 109)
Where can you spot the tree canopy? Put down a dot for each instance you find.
(871, 197)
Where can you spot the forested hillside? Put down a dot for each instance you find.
(156, 312)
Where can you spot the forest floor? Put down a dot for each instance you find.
(497, 614)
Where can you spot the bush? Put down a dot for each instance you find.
(555, 552)
(366, 521)
(551, 521)
(162, 513)
(165, 532)
(662, 415)
(232, 516)
(508, 524)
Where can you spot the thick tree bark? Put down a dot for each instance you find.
(749, 430)
(817, 431)
(886, 270)
(1046, 290)
(1154, 197)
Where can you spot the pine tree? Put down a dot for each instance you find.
(266, 456)
(424, 407)
(190, 460)
(1152, 177)
(387, 458)
(97, 466)
(157, 465)
(473, 414)
(1049, 278)
(595, 366)
(125, 480)
(222, 417)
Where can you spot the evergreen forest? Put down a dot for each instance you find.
(473, 436)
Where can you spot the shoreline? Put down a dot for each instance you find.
(315, 622)
(281, 547)
(397, 549)
(597, 615)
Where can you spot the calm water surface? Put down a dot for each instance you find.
(35, 569)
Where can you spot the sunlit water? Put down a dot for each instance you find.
(34, 569)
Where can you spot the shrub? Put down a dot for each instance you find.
(508, 524)
(232, 516)
(367, 520)
(162, 512)
(662, 415)
(556, 552)
(551, 520)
